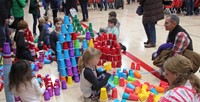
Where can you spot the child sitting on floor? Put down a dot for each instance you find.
(89, 76)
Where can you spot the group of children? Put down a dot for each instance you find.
(24, 85)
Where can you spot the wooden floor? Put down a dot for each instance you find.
(132, 35)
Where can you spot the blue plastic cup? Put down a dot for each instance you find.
(85, 44)
(124, 75)
(66, 54)
(131, 73)
(63, 72)
(61, 64)
(68, 37)
(58, 46)
(70, 28)
(63, 29)
(77, 52)
(73, 60)
(129, 85)
(47, 61)
(59, 55)
(153, 90)
(61, 38)
(66, 20)
(125, 95)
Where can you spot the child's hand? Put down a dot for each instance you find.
(110, 72)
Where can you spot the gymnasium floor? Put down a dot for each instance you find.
(132, 35)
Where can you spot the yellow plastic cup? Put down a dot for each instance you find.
(144, 87)
(103, 94)
(69, 80)
(91, 44)
(107, 66)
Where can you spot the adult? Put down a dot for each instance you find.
(184, 85)
(177, 35)
(34, 10)
(4, 15)
(68, 4)
(189, 4)
(84, 9)
(151, 14)
(17, 11)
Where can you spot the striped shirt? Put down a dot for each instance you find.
(184, 93)
(181, 43)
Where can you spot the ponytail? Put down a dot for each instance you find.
(81, 64)
(195, 82)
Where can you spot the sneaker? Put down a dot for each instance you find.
(122, 47)
(149, 45)
(147, 42)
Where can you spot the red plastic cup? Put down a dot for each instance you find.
(134, 97)
(115, 58)
(101, 38)
(74, 36)
(102, 56)
(150, 86)
(104, 61)
(108, 42)
(105, 37)
(118, 50)
(110, 36)
(108, 50)
(39, 76)
(119, 64)
(138, 66)
(113, 64)
(113, 51)
(99, 64)
(103, 43)
(128, 90)
(121, 82)
(114, 93)
(114, 37)
(65, 45)
(119, 57)
(109, 57)
(147, 83)
(136, 83)
(133, 65)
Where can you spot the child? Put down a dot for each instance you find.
(22, 44)
(23, 84)
(44, 37)
(89, 83)
(54, 35)
(113, 30)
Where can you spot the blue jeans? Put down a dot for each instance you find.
(150, 32)
(189, 4)
(35, 17)
(103, 2)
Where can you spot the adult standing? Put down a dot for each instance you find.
(4, 15)
(34, 10)
(153, 12)
(84, 9)
(68, 4)
(189, 4)
(17, 11)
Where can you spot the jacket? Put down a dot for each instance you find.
(17, 10)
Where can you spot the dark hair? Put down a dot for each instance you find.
(57, 19)
(112, 14)
(112, 20)
(22, 25)
(20, 73)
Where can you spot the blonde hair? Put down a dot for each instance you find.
(90, 53)
(182, 66)
(41, 21)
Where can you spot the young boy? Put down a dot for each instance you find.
(113, 27)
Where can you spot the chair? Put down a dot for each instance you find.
(172, 8)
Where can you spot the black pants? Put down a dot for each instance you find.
(84, 10)
(55, 11)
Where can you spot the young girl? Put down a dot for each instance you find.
(22, 44)
(89, 76)
(54, 35)
(23, 84)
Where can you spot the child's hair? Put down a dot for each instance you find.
(182, 66)
(112, 14)
(57, 19)
(22, 24)
(41, 21)
(112, 20)
(46, 18)
(20, 73)
(90, 53)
